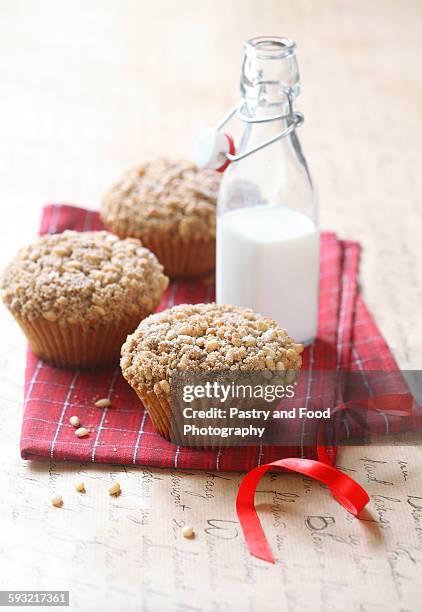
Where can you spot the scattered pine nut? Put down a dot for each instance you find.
(57, 501)
(74, 420)
(188, 532)
(80, 487)
(103, 403)
(114, 489)
(81, 432)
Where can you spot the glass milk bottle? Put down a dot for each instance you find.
(267, 232)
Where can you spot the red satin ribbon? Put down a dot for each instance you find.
(384, 403)
(347, 492)
(343, 488)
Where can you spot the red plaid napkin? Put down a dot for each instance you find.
(347, 337)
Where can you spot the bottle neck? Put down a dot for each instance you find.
(269, 70)
(275, 173)
(269, 84)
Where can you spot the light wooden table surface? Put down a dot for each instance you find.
(90, 89)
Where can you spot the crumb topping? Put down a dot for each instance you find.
(83, 276)
(202, 337)
(171, 198)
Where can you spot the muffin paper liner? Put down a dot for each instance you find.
(183, 258)
(159, 409)
(82, 345)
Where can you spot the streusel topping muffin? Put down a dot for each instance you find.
(201, 337)
(80, 282)
(172, 198)
(171, 207)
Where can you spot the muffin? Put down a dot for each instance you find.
(171, 208)
(200, 338)
(77, 295)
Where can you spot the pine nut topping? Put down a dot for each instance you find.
(80, 487)
(188, 532)
(96, 276)
(57, 501)
(50, 316)
(103, 403)
(74, 420)
(225, 337)
(81, 432)
(114, 489)
(164, 197)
